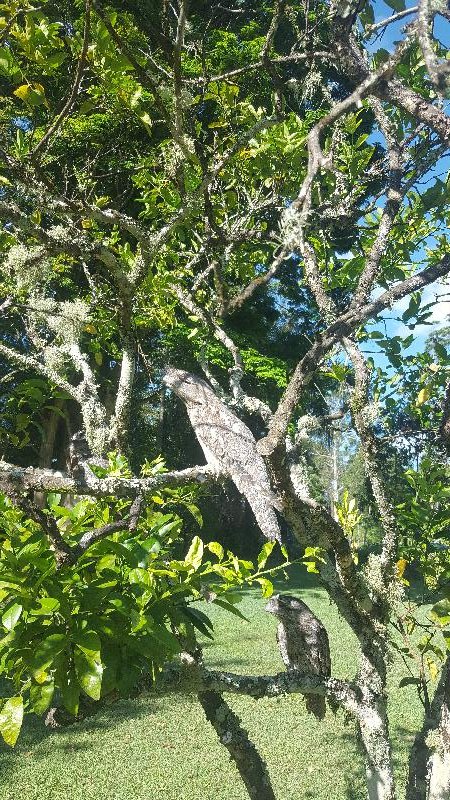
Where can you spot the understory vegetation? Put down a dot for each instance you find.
(159, 745)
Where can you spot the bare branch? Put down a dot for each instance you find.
(344, 326)
(127, 523)
(383, 23)
(177, 67)
(373, 461)
(67, 108)
(239, 299)
(234, 73)
(390, 210)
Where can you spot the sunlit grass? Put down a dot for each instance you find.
(159, 747)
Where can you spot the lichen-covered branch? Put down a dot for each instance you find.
(344, 326)
(250, 764)
(373, 460)
(437, 72)
(43, 480)
(346, 694)
(429, 762)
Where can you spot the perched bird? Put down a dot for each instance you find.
(228, 445)
(303, 643)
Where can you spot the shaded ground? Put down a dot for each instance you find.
(159, 747)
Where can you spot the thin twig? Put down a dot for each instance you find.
(54, 127)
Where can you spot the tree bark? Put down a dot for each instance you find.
(243, 752)
(49, 435)
(429, 772)
(374, 737)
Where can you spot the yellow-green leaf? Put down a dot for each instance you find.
(401, 566)
(33, 94)
(11, 717)
(195, 553)
(423, 396)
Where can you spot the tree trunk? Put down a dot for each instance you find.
(47, 448)
(439, 763)
(50, 428)
(429, 773)
(243, 752)
(374, 736)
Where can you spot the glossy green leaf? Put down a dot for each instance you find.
(264, 554)
(70, 691)
(45, 653)
(41, 695)
(89, 642)
(89, 673)
(11, 616)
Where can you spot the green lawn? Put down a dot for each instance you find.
(159, 747)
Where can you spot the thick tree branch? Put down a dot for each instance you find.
(429, 772)
(40, 480)
(346, 694)
(344, 326)
(243, 752)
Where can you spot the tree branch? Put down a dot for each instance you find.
(344, 326)
(41, 480)
(54, 127)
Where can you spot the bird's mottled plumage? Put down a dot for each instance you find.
(228, 445)
(303, 642)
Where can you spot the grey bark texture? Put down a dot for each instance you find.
(243, 752)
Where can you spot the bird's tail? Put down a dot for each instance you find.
(316, 705)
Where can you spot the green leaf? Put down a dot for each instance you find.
(89, 673)
(195, 511)
(7, 63)
(441, 611)
(195, 553)
(217, 549)
(70, 692)
(219, 601)
(32, 94)
(45, 654)
(165, 637)
(434, 195)
(11, 717)
(140, 576)
(409, 682)
(266, 586)
(264, 554)
(440, 351)
(199, 620)
(41, 695)
(397, 5)
(11, 616)
(47, 605)
(89, 643)
(423, 396)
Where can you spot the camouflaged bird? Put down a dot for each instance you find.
(303, 643)
(228, 445)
